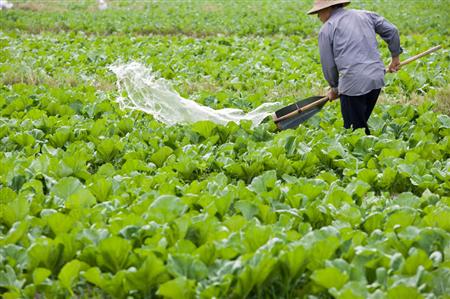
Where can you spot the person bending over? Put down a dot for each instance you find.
(350, 58)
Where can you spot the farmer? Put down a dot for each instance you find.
(350, 58)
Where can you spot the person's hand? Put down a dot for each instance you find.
(332, 94)
(395, 65)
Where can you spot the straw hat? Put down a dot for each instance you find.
(321, 4)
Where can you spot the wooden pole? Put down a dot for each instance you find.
(325, 99)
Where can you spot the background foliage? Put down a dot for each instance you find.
(99, 202)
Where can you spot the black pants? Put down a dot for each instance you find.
(356, 110)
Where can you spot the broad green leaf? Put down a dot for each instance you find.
(70, 272)
(264, 182)
(291, 144)
(338, 196)
(187, 266)
(416, 259)
(330, 278)
(15, 210)
(256, 236)
(263, 265)
(125, 125)
(108, 149)
(136, 165)
(23, 139)
(7, 195)
(151, 273)
(166, 208)
(439, 282)
(15, 255)
(40, 274)
(66, 187)
(404, 292)
(204, 128)
(17, 182)
(161, 155)
(179, 287)
(9, 280)
(351, 290)
(46, 253)
(439, 217)
(247, 208)
(358, 188)
(321, 247)
(94, 276)
(311, 188)
(99, 127)
(400, 218)
(80, 200)
(254, 273)
(101, 188)
(246, 282)
(368, 175)
(231, 247)
(223, 203)
(408, 199)
(16, 232)
(292, 261)
(373, 221)
(350, 214)
(207, 253)
(61, 136)
(113, 253)
(386, 179)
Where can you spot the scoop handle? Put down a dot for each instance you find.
(411, 59)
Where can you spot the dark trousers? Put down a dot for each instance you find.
(356, 110)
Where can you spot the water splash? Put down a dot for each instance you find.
(142, 90)
(102, 5)
(4, 4)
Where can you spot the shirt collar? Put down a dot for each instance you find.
(336, 12)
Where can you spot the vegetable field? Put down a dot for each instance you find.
(100, 202)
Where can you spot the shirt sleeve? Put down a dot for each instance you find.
(329, 68)
(388, 33)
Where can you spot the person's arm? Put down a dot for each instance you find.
(389, 34)
(329, 67)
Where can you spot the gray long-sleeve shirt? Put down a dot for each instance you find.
(349, 50)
